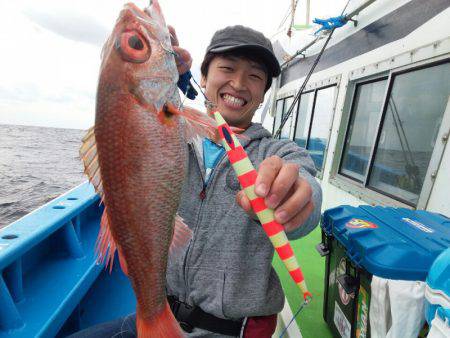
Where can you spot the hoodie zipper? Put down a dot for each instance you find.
(202, 196)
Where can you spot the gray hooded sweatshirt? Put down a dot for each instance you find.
(227, 267)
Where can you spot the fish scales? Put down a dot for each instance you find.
(139, 144)
(142, 180)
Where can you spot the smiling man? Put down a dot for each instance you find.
(236, 101)
(224, 283)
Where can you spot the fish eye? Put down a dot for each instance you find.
(133, 47)
(135, 43)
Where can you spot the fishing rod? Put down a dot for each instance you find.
(343, 19)
(297, 96)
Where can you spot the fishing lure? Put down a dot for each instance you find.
(246, 175)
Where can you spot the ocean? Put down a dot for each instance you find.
(37, 164)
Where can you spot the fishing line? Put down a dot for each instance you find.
(300, 92)
(296, 314)
(208, 103)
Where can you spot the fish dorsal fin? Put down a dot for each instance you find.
(88, 154)
(105, 247)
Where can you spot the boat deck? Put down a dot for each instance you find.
(310, 319)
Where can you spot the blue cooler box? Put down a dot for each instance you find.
(359, 242)
(437, 294)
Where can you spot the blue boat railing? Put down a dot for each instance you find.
(50, 283)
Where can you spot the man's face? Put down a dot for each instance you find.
(236, 85)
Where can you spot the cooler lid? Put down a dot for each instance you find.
(389, 242)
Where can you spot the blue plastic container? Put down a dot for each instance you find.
(360, 242)
(388, 242)
(437, 291)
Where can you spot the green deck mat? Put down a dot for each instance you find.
(310, 320)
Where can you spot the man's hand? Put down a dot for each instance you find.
(184, 59)
(284, 191)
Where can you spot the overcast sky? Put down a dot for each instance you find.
(51, 49)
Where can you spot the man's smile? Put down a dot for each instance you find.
(233, 101)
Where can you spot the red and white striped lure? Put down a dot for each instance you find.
(246, 175)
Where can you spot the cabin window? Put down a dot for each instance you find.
(285, 132)
(393, 158)
(320, 126)
(282, 107)
(361, 132)
(304, 119)
(278, 114)
(312, 128)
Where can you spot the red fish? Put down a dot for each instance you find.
(135, 156)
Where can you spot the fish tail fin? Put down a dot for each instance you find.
(163, 325)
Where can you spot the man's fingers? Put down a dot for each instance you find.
(183, 59)
(295, 203)
(300, 218)
(267, 172)
(282, 184)
(243, 201)
(173, 36)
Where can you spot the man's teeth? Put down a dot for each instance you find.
(233, 100)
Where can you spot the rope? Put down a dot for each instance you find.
(330, 23)
(288, 12)
(294, 7)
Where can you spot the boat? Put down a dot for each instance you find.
(51, 284)
(375, 117)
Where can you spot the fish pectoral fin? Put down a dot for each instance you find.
(181, 237)
(197, 122)
(88, 153)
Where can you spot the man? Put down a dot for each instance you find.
(224, 284)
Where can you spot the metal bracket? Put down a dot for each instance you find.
(322, 249)
(355, 22)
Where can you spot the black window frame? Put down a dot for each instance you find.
(389, 85)
(284, 99)
(315, 90)
(347, 127)
(276, 113)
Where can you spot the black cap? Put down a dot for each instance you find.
(241, 37)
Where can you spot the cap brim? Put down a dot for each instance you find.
(266, 55)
